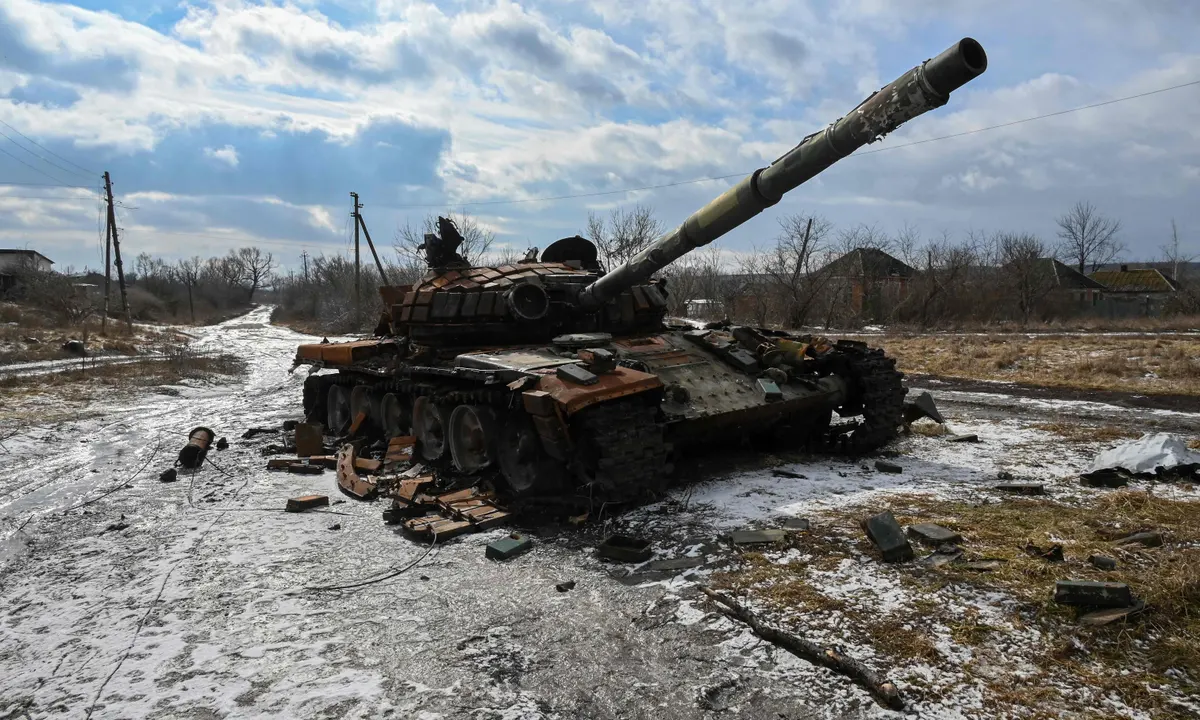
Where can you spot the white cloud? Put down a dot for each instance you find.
(227, 155)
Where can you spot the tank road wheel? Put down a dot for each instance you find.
(315, 391)
(394, 416)
(526, 467)
(360, 402)
(337, 409)
(429, 427)
(472, 435)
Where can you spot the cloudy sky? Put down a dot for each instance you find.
(228, 123)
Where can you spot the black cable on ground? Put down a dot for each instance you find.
(122, 484)
(372, 581)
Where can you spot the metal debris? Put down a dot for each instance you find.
(755, 537)
(222, 444)
(1098, 618)
(309, 440)
(563, 587)
(625, 548)
(970, 437)
(509, 547)
(1022, 488)
(931, 534)
(192, 455)
(306, 502)
(1147, 539)
(922, 407)
(887, 467)
(1102, 562)
(1087, 593)
(885, 532)
(168, 475)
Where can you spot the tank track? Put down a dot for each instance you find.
(623, 450)
(878, 390)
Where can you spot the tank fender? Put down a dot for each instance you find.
(571, 397)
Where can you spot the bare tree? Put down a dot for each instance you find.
(1088, 238)
(696, 276)
(256, 268)
(477, 241)
(790, 271)
(623, 234)
(1173, 255)
(1026, 270)
(188, 273)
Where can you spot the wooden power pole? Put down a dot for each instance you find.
(107, 271)
(357, 294)
(116, 248)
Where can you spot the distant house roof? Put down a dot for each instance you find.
(18, 251)
(1068, 278)
(868, 262)
(1137, 280)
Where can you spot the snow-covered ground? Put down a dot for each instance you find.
(200, 607)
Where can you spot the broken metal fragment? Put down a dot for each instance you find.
(931, 534)
(1054, 553)
(1092, 594)
(780, 472)
(795, 523)
(1098, 618)
(508, 547)
(625, 548)
(1107, 477)
(306, 502)
(755, 537)
(1102, 562)
(309, 440)
(1148, 539)
(168, 475)
(922, 407)
(989, 565)
(192, 455)
(222, 444)
(565, 586)
(251, 432)
(887, 467)
(885, 532)
(971, 437)
(670, 565)
(770, 391)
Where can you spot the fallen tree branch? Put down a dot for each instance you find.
(883, 691)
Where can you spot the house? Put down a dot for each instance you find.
(870, 280)
(12, 261)
(1069, 287)
(1136, 291)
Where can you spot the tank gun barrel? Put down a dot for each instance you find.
(921, 89)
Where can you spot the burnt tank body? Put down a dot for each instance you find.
(564, 377)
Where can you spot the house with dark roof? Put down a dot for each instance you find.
(869, 280)
(1069, 286)
(1136, 291)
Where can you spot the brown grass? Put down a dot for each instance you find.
(928, 428)
(1124, 661)
(83, 384)
(1149, 364)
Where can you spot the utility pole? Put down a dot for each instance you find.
(304, 259)
(107, 271)
(358, 218)
(116, 246)
(357, 295)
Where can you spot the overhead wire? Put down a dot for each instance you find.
(36, 169)
(889, 148)
(40, 157)
(35, 142)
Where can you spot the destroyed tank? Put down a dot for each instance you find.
(566, 378)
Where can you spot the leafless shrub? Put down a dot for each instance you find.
(623, 234)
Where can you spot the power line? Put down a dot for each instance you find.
(35, 142)
(37, 170)
(27, 184)
(39, 157)
(743, 174)
(44, 197)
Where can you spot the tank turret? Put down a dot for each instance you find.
(921, 89)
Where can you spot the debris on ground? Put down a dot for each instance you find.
(309, 440)
(1147, 539)
(448, 514)
(968, 438)
(222, 444)
(780, 472)
(922, 406)
(168, 475)
(1105, 477)
(1162, 455)
(625, 548)
(932, 534)
(1088, 593)
(795, 523)
(192, 455)
(117, 526)
(1054, 553)
(1102, 562)
(251, 432)
(887, 467)
(348, 479)
(754, 537)
(943, 555)
(335, 526)
(306, 502)
(885, 532)
(509, 547)
(1107, 616)
(563, 587)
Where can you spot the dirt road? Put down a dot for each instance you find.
(198, 608)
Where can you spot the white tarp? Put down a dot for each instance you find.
(1146, 454)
